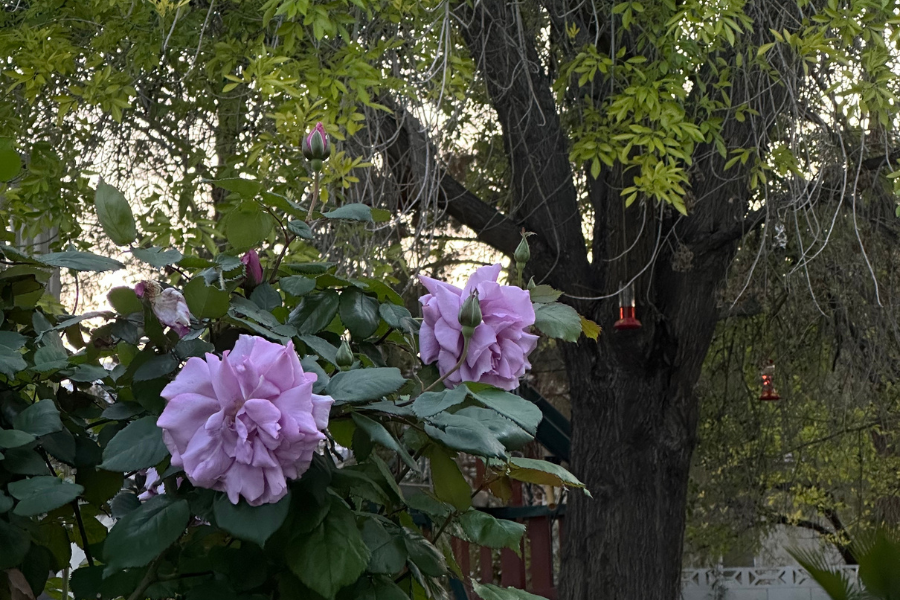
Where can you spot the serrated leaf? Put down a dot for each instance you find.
(558, 321)
(332, 556)
(351, 212)
(79, 261)
(251, 523)
(39, 419)
(157, 257)
(143, 534)
(138, 446)
(359, 313)
(38, 495)
(361, 385)
(483, 529)
(205, 301)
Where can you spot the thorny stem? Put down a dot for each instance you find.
(287, 242)
(84, 539)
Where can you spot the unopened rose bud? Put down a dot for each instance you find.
(523, 252)
(344, 355)
(470, 314)
(316, 146)
(252, 268)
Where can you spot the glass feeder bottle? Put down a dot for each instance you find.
(627, 319)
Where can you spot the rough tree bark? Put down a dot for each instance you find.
(634, 411)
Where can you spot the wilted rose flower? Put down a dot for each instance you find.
(168, 305)
(499, 347)
(252, 267)
(246, 423)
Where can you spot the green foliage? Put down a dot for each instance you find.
(78, 432)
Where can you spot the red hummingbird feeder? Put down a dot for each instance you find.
(627, 320)
(768, 383)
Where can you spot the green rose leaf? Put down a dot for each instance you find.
(251, 523)
(544, 294)
(300, 229)
(359, 313)
(314, 313)
(11, 438)
(364, 384)
(42, 494)
(424, 555)
(14, 545)
(297, 285)
(520, 411)
(398, 317)
(88, 373)
(11, 362)
(247, 226)
(79, 261)
(157, 257)
(145, 532)
(138, 446)
(245, 188)
(351, 212)
(483, 529)
(449, 484)
(558, 321)
(532, 470)
(124, 301)
(332, 556)
(205, 301)
(489, 591)
(464, 434)
(431, 403)
(378, 434)
(156, 367)
(114, 214)
(510, 435)
(39, 419)
(6, 503)
(388, 551)
(265, 297)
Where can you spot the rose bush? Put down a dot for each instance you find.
(217, 449)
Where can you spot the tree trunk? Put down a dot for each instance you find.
(632, 448)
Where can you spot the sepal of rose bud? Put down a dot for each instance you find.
(470, 314)
(523, 253)
(252, 268)
(344, 355)
(316, 145)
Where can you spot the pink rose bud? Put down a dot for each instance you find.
(168, 305)
(252, 268)
(316, 146)
(246, 423)
(500, 343)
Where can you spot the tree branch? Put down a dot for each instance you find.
(490, 226)
(537, 147)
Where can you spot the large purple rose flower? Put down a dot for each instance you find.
(246, 423)
(499, 348)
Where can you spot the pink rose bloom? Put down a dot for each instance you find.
(499, 348)
(246, 423)
(252, 268)
(168, 305)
